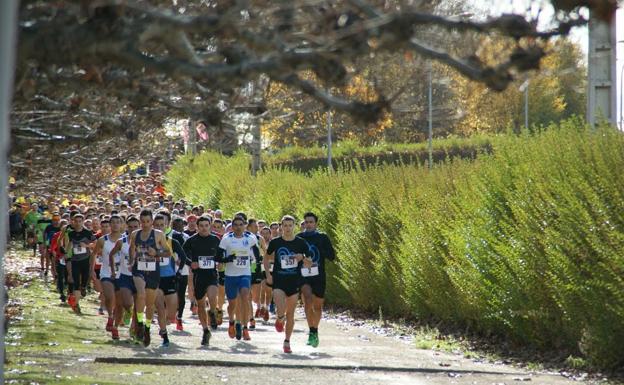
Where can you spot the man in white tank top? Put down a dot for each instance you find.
(103, 247)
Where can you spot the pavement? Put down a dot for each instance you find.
(346, 355)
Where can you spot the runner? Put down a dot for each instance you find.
(313, 279)
(256, 274)
(103, 247)
(237, 247)
(288, 252)
(59, 259)
(77, 241)
(145, 261)
(218, 229)
(266, 293)
(49, 232)
(167, 294)
(42, 224)
(203, 252)
(182, 275)
(118, 258)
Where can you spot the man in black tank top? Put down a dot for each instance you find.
(147, 246)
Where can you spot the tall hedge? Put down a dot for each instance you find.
(526, 242)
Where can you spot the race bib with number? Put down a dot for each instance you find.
(165, 261)
(241, 261)
(145, 265)
(310, 271)
(206, 262)
(78, 250)
(98, 260)
(288, 262)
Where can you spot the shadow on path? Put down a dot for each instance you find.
(189, 362)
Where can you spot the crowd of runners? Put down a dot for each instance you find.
(148, 255)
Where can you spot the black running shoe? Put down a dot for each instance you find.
(213, 320)
(206, 337)
(239, 331)
(146, 337)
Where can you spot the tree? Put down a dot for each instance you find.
(96, 70)
(556, 92)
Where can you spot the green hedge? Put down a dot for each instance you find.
(525, 243)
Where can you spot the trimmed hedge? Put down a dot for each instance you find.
(525, 243)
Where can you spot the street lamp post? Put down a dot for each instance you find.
(430, 145)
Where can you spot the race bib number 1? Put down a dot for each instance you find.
(206, 262)
(145, 265)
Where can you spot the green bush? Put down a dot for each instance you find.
(525, 242)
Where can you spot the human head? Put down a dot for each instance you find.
(203, 225)
(115, 223)
(146, 218)
(252, 226)
(288, 225)
(310, 221)
(132, 224)
(238, 226)
(218, 226)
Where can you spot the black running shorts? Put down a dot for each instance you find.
(168, 285)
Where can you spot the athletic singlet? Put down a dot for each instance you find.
(143, 261)
(105, 270)
(167, 264)
(124, 255)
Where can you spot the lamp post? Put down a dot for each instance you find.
(430, 144)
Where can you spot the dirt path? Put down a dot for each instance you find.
(49, 344)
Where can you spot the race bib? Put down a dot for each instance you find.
(78, 250)
(288, 262)
(145, 265)
(310, 271)
(164, 261)
(98, 260)
(241, 261)
(62, 261)
(117, 271)
(206, 262)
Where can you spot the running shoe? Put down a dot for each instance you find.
(279, 325)
(101, 311)
(165, 339)
(219, 317)
(265, 314)
(310, 338)
(315, 340)
(146, 337)
(213, 320)
(206, 337)
(179, 326)
(71, 300)
(246, 334)
(109, 325)
(127, 317)
(115, 333)
(252, 324)
(231, 330)
(257, 315)
(239, 331)
(287, 347)
(272, 308)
